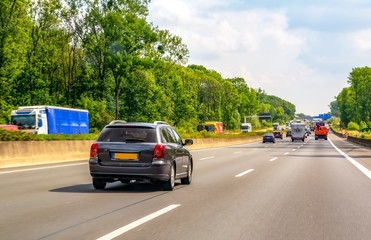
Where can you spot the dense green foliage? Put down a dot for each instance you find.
(281, 111)
(105, 57)
(354, 102)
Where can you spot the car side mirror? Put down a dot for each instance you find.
(188, 142)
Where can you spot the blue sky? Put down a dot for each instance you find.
(301, 51)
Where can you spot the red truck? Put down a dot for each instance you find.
(320, 131)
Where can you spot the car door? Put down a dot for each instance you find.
(182, 150)
(177, 150)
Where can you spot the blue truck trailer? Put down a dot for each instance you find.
(51, 120)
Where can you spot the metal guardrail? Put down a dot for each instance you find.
(362, 141)
(336, 133)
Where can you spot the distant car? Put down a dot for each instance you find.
(269, 137)
(288, 134)
(140, 151)
(277, 134)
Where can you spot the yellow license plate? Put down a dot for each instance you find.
(130, 156)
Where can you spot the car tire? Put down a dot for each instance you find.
(170, 184)
(188, 179)
(292, 140)
(263, 142)
(99, 183)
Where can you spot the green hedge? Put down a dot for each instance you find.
(6, 135)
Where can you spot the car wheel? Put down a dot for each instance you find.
(263, 142)
(292, 139)
(99, 183)
(169, 184)
(188, 179)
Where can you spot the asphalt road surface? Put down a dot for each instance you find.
(287, 190)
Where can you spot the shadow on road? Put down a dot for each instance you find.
(116, 187)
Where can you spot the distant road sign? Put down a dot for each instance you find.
(327, 116)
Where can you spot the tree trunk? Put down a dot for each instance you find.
(117, 102)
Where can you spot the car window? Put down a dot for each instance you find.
(177, 137)
(164, 136)
(171, 135)
(127, 134)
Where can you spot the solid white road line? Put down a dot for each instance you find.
(205, 158)
(237, 152)
(42, 168)
(137, 223)
(286, 153)
(273, 159)
(293, 150)
(354, 162)
(244, 173)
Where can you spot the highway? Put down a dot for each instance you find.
(286, 190)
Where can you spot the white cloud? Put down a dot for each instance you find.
(363, 39)
(259, 46)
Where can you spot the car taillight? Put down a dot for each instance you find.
(264, 137)
(94, 150)
(159, 152)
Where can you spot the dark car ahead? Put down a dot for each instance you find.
(288, 134)
(140, 151)
(277, 134)
(269, 137)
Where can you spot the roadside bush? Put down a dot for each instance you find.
(353, 126)
(362, 125)
(7, 135)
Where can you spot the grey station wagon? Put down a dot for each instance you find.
(140, 151)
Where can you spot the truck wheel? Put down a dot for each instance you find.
(99, 183)
(316, 138)
(325, 138)
(169, 184)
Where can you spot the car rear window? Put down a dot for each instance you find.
(128, 134)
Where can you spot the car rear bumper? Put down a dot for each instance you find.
(156, 171)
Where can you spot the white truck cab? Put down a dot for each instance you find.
(246, 127)
(30, 119)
